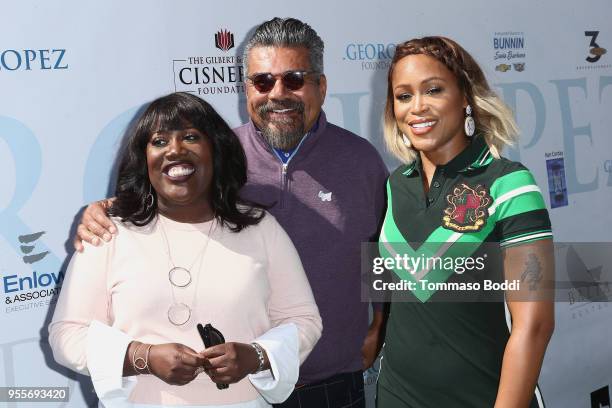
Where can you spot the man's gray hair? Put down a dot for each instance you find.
(287, 32)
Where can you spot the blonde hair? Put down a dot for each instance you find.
(494, 119)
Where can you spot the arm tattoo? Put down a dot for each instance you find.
(533, 272)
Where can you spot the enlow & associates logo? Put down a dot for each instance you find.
(212, 74)
(34, 288)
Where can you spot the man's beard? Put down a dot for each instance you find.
(282, 134)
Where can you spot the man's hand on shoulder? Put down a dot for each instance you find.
(95, 225)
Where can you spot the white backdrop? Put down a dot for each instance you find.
(73, 73)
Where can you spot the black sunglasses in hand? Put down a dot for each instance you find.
(211, 337)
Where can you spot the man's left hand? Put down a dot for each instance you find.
(373, 341)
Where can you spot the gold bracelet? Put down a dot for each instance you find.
(147, 359)
(134, 359)
(144, 362)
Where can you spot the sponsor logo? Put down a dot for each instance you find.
(325, 196)
(467, 210)
(601, 398)
(557, 186)
(503, 67)
(595, 52)
(211, 74)
(370, 56)
(33, 60)
(35, 285)
(587, 282)
(588, 291)
(509, 51)
(224, 40)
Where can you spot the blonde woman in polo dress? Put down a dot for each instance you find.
(455, 194)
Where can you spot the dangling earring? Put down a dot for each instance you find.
(470, 125)
(406, 140)
(149, 199)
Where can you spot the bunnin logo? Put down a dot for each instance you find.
(33, 60)
(224, 40)
(20, 289)
(211, 74)
(509, 51)
(595, 52)
(370, 56)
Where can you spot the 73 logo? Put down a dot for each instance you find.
(595, 51)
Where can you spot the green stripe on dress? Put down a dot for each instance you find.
(511, 181)
(392, 233)
(511, 244)
(520, 204)
(525, 234)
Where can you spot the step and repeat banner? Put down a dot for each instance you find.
(73, 74)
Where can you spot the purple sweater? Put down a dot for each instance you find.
(329, 198)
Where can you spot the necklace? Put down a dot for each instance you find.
(179, 313)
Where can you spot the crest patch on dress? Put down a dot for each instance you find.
(467, 210)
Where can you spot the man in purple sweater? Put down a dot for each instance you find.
(325, 186)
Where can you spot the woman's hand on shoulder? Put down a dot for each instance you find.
(175, 363)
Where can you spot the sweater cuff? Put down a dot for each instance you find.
(106, 348)
(282, 348)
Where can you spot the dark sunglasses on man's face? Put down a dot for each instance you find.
(292, 80)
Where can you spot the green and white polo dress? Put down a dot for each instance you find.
(449, 354)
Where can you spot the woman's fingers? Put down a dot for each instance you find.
(217, 362)
(214, 351)
(190, 358)
(229, 364)
(175, 363)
